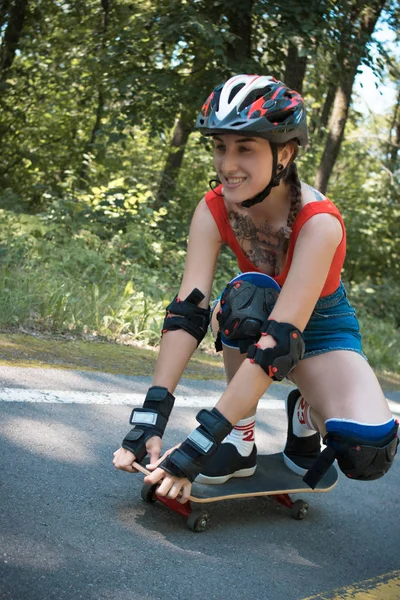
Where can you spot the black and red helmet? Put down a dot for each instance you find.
(255, 105)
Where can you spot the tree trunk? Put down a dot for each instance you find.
(238, 52)
(394, 137)
(327, 108)
(183, 128)
(16, 16)
(90, 144)
(341, 105)
(240, 24)
(295, 68)
(83, 175)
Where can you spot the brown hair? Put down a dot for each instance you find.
(291, 179)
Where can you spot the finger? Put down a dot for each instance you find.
(155, 477)
(154, 455)
(187, 488)
(175, 490)
(165, 487)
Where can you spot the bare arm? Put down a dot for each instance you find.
(203, 248)
(314, 251)
(312, 258)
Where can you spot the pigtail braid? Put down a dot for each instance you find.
(292, 179)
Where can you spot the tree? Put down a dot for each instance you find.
(361, 23)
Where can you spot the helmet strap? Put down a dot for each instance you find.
(278, 171)
(214, 183)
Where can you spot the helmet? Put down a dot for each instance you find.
(260, 106)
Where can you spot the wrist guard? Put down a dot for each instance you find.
(279, 361)
(150, 420)
(187, 315)
(190, 458)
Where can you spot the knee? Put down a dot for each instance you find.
(363, 452)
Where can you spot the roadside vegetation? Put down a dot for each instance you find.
(100, 170)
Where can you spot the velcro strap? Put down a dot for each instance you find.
(134, 435)
(159, 400)
(320, 467)
(189, 459)
(214, 423)
(189, 306)
(184, 314)
(135, 442)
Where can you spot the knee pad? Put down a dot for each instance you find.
(246, 304)
(364, 452)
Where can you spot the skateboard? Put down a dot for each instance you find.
(272, 478)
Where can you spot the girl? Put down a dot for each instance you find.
(284, 229)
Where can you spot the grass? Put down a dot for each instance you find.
(27, 350)
(33, 350)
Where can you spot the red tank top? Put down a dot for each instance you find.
(218, 210)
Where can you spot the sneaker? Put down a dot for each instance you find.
(300, 453)
(227, 462)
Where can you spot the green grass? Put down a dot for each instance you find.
(27, 350)
(59, 284)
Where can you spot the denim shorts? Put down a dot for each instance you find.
(333, 325)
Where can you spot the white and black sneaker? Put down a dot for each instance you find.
(227, 462)
(300, 453)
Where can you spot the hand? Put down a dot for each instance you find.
(123, 458)
(170, 486)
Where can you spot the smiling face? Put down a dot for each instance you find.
(243, 164)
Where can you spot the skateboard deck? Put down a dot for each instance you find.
(272, 478)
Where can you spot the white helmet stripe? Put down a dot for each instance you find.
(251, 82)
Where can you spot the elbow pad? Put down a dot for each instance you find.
(187, 315)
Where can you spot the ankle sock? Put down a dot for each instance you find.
(242, 436)
(302, 424)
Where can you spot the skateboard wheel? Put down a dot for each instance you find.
(148, 493)
(299, 509)
(197, 521)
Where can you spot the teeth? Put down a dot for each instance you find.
(235, 180)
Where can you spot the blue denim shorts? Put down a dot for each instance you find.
(333, 325)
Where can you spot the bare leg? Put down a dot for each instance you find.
(341, 385)
(232, 358)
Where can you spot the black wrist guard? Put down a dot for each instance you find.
(279, 361)
(190, 458)
(148, 421)
(187, 315)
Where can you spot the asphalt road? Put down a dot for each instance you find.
(72, 527)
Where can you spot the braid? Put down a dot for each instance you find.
(292, 179)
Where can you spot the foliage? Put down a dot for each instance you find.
(87, 111)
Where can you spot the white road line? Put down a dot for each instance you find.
(69, 397)
(115, 398)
